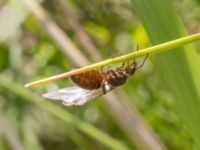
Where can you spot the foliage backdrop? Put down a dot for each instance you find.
(165, 91)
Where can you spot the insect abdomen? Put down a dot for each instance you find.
(89, 80)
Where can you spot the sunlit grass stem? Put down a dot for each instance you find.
(151, 50)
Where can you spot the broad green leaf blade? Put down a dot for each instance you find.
(180, 67)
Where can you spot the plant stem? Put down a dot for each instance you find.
(151, 50)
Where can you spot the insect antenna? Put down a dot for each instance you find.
(137, 48)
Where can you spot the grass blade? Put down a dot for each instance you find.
(180, 67)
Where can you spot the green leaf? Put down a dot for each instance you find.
(180, 68)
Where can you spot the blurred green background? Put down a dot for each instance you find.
(157, 109)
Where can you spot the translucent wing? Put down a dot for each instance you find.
(74, 95)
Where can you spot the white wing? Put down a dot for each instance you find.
(73, 95)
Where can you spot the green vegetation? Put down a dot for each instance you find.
(158, 108)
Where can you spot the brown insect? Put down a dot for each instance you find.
(94, 83)
(95, 79)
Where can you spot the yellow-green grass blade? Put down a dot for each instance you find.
(180, 68)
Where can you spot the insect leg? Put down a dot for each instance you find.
(143, 61)
(137, 49)
(104, 87)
